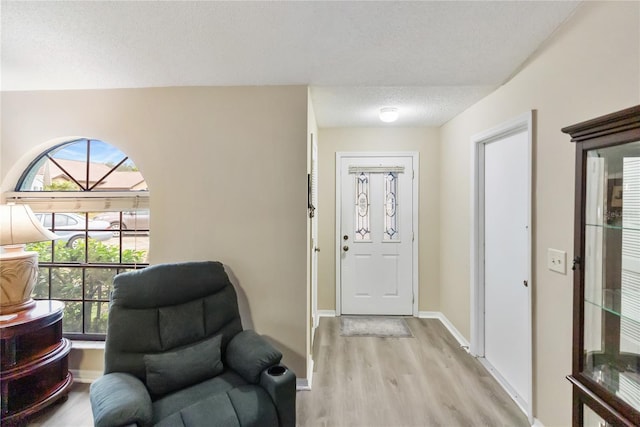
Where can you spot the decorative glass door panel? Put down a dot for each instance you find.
(391, 206)
(363, 219)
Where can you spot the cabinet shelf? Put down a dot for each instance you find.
(614, 227)
(619, 376)
(612, 310)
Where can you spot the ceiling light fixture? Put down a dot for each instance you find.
(388, 114)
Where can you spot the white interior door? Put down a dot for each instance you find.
(507, 258)
(376, 237)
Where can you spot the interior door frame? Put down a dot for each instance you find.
(415, 163)
(313, 196)
(524, 122)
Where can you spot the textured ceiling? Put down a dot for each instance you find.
(430, 59)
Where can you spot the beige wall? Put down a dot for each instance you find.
(591, 67)
(226, 169)
(422, 140)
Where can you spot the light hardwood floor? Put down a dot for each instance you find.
(74, 412)
(427, 380)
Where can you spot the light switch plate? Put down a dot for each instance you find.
(557, 261)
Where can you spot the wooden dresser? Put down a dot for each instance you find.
(34, 363)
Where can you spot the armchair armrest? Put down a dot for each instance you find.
(119, 399)
(249, 354)
(280, 384)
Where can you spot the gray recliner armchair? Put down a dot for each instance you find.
(176, 355)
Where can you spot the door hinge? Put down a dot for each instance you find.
(413, 174)
(413, 236)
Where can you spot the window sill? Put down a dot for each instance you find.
(87, 345)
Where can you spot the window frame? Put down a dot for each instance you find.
(82, 202)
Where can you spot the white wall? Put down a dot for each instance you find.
(422, 140)
(226, 169)
(591, 67)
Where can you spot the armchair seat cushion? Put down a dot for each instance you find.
(244, 406)
(173, 403)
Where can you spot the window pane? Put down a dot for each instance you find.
(43, 249)
(65, 221)
(33, 178)
(66, 283)
(96, 317)
(65, 169)
(128, 222)
(70, 251)
(362, 229)
(98, 283)
(72, 320)
(135, 249)
(46, 220)
(104, 251)
(41, 290)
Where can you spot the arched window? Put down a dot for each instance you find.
(94, 197)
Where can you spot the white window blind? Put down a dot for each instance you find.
(376, 169)
(630, 278)
(72, 201)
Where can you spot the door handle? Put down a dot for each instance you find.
(576, 262)
(345, 248)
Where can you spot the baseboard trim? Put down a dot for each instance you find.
(302, 384)
(447, 324)
(504, 384)
(84, 376)
(430, 315)
(326, 313)
(537, 423)
(310, 364)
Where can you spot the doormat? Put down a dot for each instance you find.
(374, 326)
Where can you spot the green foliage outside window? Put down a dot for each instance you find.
(62, 186)
(67, 281)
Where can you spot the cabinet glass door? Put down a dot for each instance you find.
(612, 270)
(591, 419)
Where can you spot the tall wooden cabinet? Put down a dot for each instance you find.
(606, 305)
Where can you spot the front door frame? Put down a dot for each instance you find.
(524, 122)
(415, 162)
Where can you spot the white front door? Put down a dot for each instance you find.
(376, 235)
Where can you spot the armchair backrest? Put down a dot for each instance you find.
(166, 306)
